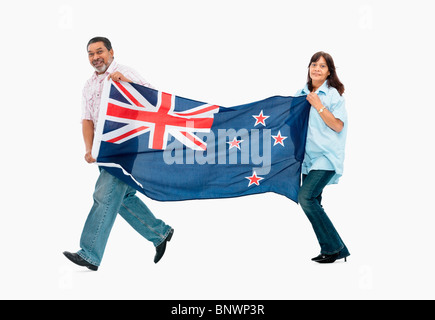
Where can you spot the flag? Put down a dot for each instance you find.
(171, 148)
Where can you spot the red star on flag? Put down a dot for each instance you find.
(254, 179)
(260, 119)
(235, 143)
(279, 139)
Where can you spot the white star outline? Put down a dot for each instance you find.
(279, 139)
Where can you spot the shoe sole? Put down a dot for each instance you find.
(329, 260)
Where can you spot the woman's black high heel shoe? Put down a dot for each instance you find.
(326, 258)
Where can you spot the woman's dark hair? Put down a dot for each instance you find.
(104, 40)
(333, 80)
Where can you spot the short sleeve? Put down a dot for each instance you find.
(338, 108)
(86, 104)
(135, 77)
(298, 93)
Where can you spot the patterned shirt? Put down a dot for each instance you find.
(93, 89)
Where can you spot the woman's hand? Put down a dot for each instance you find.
(329, 119)
(314, 100)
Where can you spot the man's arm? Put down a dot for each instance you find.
(129, 75)
(88, 137)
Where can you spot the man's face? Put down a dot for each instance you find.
(99, 57)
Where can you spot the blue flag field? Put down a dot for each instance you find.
(171, 148)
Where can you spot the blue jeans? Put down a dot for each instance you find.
(310, 199)
(112, 196)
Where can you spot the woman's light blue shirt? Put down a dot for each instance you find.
(325, 147)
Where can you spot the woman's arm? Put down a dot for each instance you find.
(330, 120)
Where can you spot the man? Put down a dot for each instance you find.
(111, 196)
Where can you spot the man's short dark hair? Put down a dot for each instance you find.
(104, 40)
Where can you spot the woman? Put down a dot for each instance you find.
(324, 152)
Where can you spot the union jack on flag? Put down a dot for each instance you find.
(136, 113)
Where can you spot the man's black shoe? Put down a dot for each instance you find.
(161, 248)
(74, 257)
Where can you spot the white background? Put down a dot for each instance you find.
(227, 53)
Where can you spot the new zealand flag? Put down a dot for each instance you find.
(171, 148)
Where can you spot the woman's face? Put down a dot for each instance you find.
(319, 71)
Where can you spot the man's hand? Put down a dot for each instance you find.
(89, 158)
(88, 137)
(117, 76)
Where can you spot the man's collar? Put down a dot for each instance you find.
(112, 67)
(109, 70)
